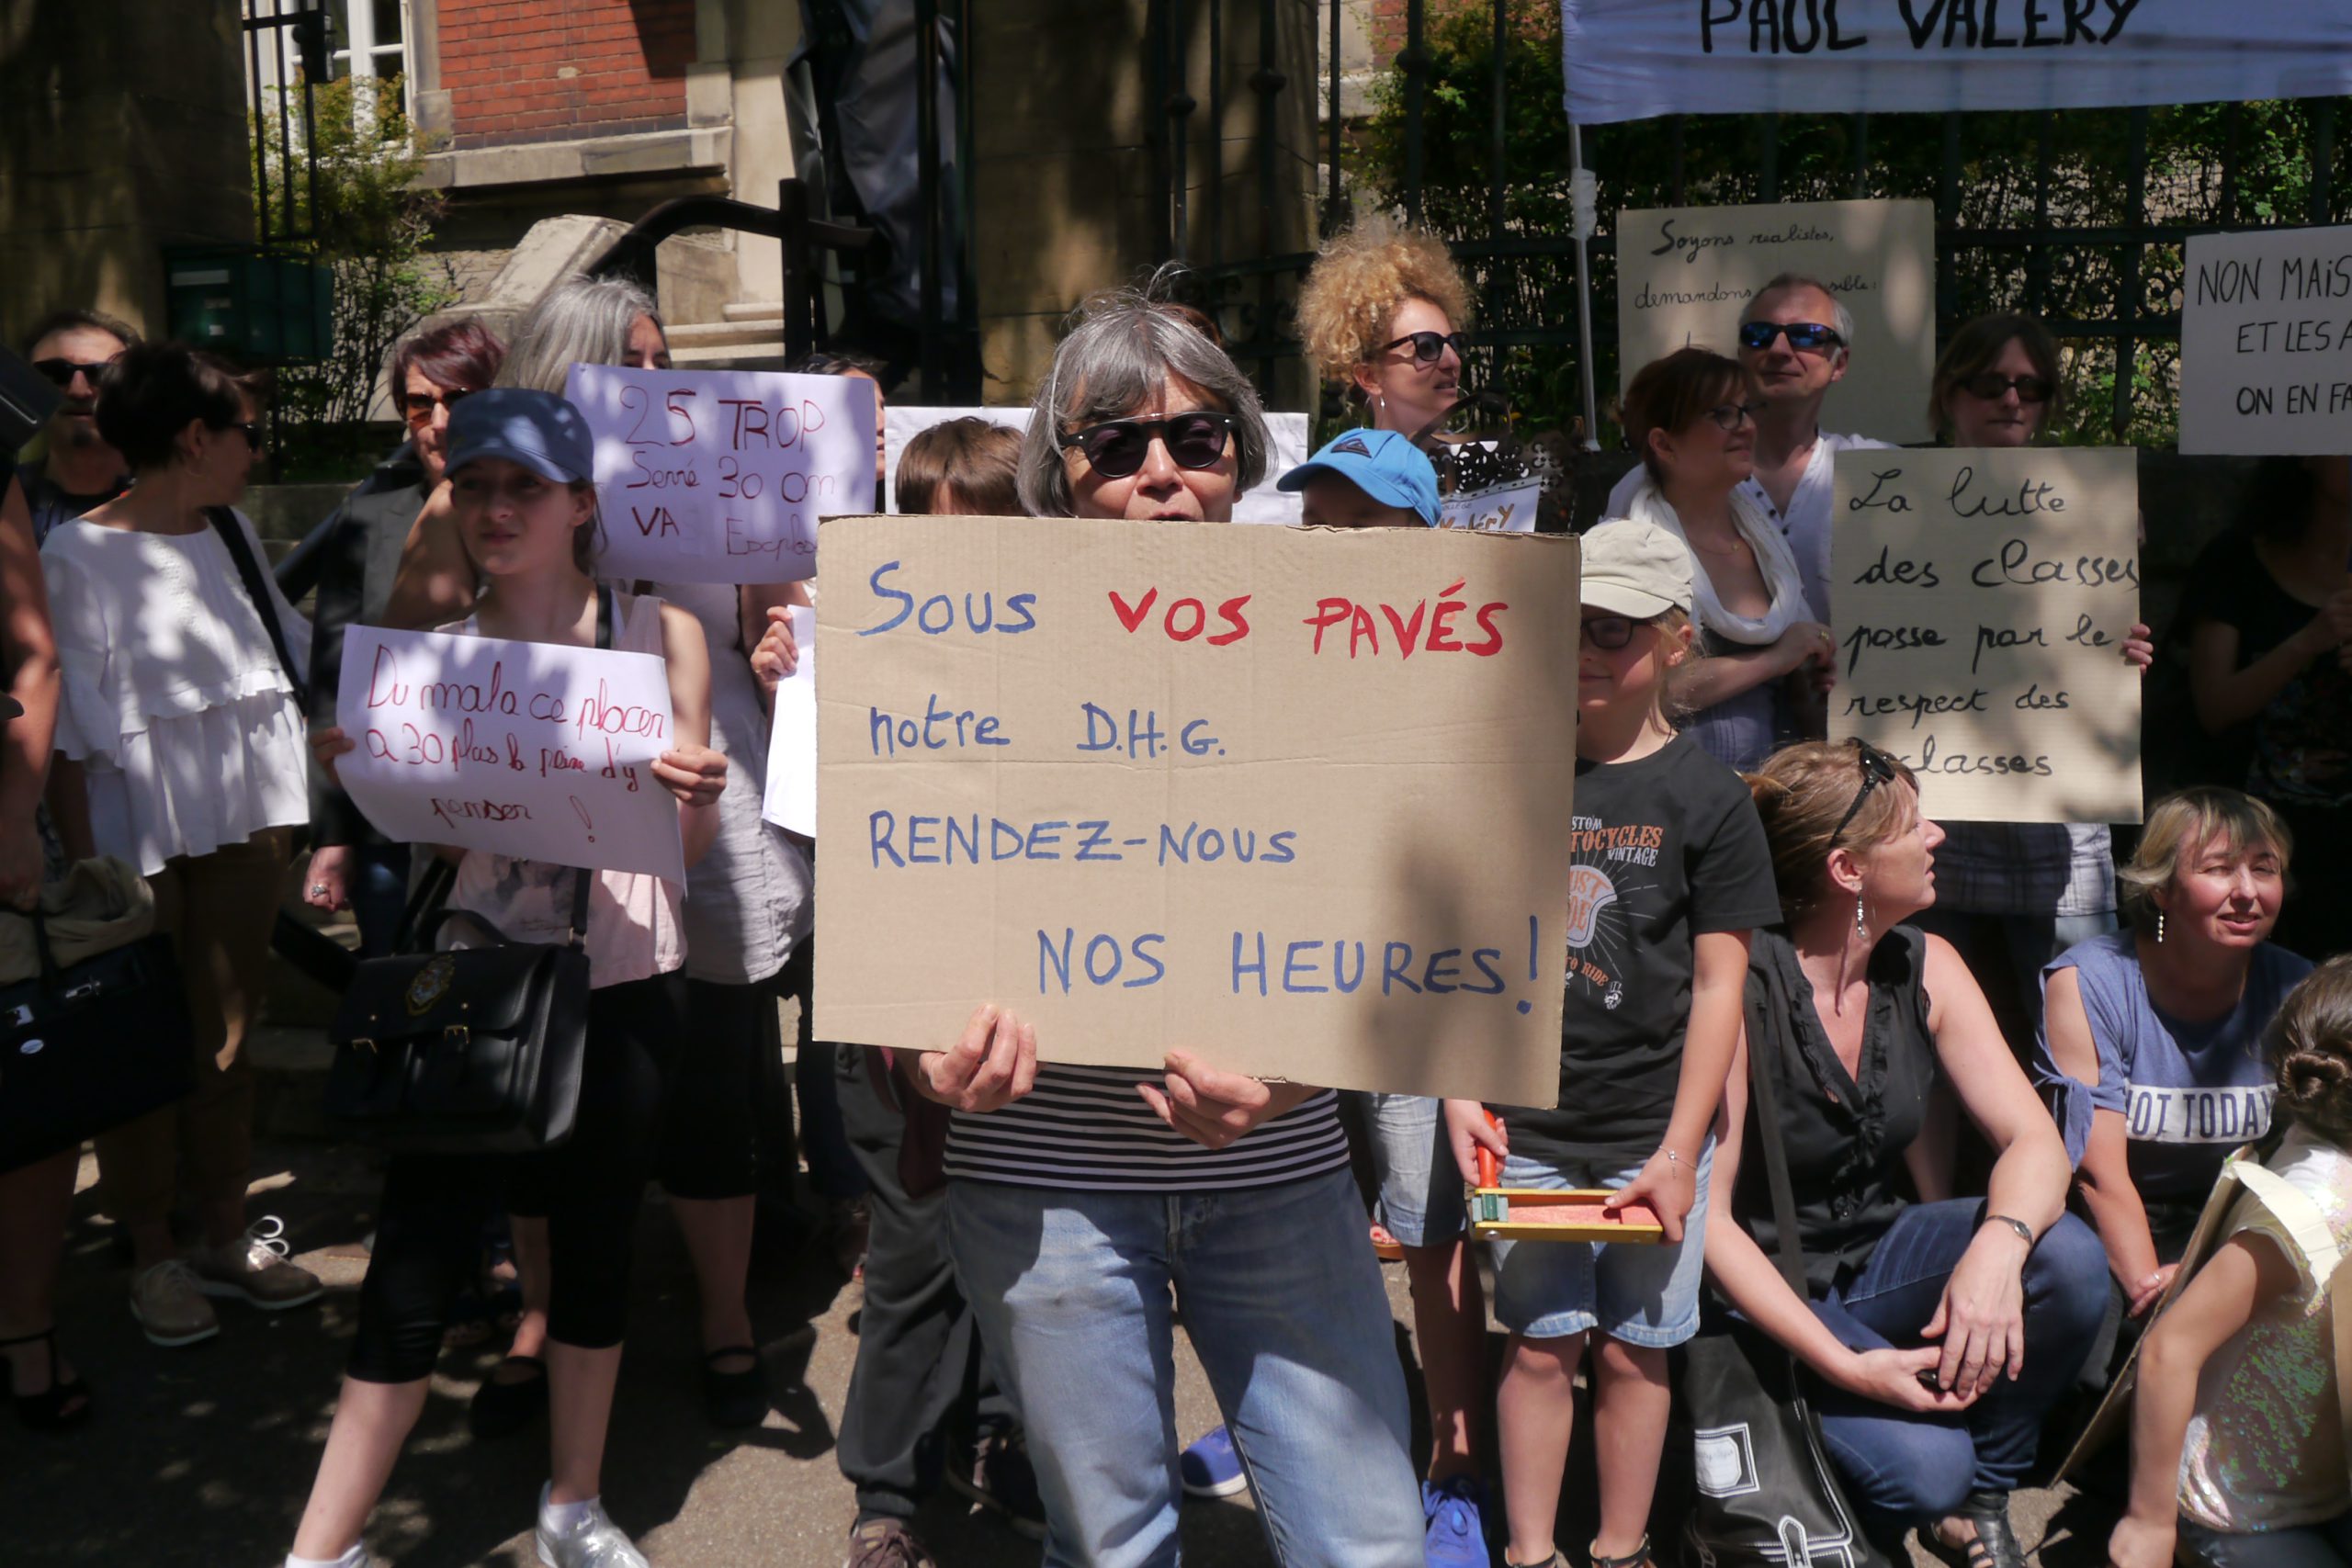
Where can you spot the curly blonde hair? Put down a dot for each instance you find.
(1353, 289)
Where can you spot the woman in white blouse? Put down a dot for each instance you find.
(1691, 416)
(180, 748)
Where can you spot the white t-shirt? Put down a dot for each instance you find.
(1804, 523)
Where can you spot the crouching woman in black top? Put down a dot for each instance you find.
(1921, 1318)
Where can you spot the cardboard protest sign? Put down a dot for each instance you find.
(1260, 504)
(1983, 598)
(523, 748)
(2266, 344)
(791, 802)
(1685, 274)
(719, 476)
(1298, 799)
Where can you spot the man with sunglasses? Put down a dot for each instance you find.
(72, 348)
(1795, 338)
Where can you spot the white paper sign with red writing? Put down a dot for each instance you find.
(719, 476)
(523, 748)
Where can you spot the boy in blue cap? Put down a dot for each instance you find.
(1366, 478)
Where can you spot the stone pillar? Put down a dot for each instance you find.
(122, 130)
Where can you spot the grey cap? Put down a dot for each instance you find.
(1634, 568)
(540, 430)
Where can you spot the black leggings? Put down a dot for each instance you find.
(428, 1229)
(710, 1119)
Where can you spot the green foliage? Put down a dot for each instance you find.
(371, 224)
(1522, 265)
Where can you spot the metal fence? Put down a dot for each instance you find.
(2069, 232)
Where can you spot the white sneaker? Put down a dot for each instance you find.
(592, 1541)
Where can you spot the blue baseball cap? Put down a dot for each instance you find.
(540, 430)
(1383, 464)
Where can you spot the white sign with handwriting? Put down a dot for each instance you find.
(523, 748)
(1684, 274)
(1983, 598)
(719, 476)
(2266, 344)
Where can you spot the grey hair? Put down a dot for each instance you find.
(1124, 347)
(581, 321)
(1844, 320)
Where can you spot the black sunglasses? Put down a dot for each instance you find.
(251, 430)
(1990, 385)
(1428, 347)
(418, 406)
(1803, 336)
(63, 371)
(1610, 633)
(1878, 767)
(1117, 448)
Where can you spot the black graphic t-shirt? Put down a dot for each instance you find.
(1666, 849)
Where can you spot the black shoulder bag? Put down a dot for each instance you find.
(476, 1051)
(241, 551)
(1765, 1492)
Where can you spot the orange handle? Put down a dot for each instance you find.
(1489, 1174)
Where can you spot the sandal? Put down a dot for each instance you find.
(47, 1411)
(499, 1408)
(1995, 1544)
(738, 1398)
(1637, 1558)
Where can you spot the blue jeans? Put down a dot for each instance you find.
(377, 886)
(1639, 1293)
(1422, 1200)
(2326, 1545)
(1904, 1467)
(1076, 1292)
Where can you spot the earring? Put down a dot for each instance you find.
(1862, 926)
(2160, 928)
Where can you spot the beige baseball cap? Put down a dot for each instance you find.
(1634, 568)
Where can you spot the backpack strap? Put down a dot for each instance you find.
(241, 551)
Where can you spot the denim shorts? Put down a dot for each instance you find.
(1645, 1294)
(1422, 1197)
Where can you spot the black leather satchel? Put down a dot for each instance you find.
(86, 1048)
(1764, 1494)
(473, 1051)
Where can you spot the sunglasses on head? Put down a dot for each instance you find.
(1878, 767)
(417, 407)
(1803, 336)
(1117, 448)
(63, 371)
(1610, 633)
(1990, 385)
(1428, 348)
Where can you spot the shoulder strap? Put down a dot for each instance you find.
(604, 616)
(1764, 1095)
(2298, 1213)
(241, 551)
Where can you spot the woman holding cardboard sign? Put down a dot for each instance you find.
(1764, 660)
(1940, 1333)
(522, 477)
(1084, 1203)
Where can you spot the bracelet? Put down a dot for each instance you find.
(2025, 1231)
(1671, 1157)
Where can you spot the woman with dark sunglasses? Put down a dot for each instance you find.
(1938, 1332)
(2016, 894)
(1764, 660)
(180, 749)
(1382, 315)
(1082, 1202)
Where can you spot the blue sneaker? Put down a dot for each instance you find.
(1209, 1467)
(1455, 1536)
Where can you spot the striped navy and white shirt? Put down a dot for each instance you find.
(1087, 1128)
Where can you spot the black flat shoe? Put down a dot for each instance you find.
(65, 1403)
(501, 1408)
(1995, 1545)
(734, 1399)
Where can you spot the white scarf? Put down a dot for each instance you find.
(1773, 559)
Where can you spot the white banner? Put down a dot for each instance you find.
(523, 748)
(1642, 59)
(791, 801)
(1263, 504)
(719, 476)
(2266, 344)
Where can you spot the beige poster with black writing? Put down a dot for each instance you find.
(1684, 275)
(1984, 599)
(1294, 799)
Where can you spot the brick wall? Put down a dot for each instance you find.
(520, 71)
